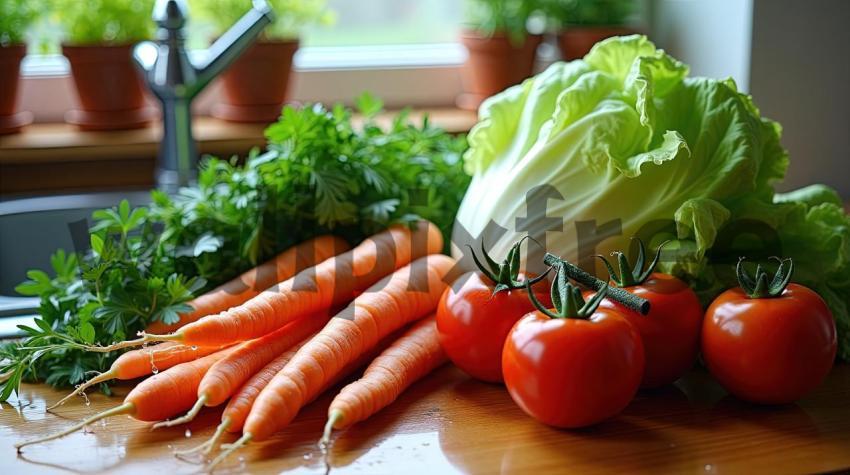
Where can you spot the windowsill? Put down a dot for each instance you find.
(54, 157)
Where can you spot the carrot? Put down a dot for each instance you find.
(227, 375)
(334, 281)
(240, 404)
(402, 297)
(162, 395)
(246, 286)
(142, 362)
(237, 410)
(408, 359)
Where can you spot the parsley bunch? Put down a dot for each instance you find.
(319, 174)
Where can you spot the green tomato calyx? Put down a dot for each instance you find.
(506, 274)
(629, 275)
(566, 298)
(759, 286)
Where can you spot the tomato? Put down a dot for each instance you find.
(769, 350)
(572, 372)
(671, 330)
(473, 323)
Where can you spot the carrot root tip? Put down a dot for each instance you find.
(193, 412)
(115, 346)
(154, 338)
(105, 376)
(228, 449)
(126, 408)
(334, 418)
(207, 447)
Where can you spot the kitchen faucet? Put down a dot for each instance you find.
(175, 79)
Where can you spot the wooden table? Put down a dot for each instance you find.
(448, 423)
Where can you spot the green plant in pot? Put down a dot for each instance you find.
(16, 16)
(99, 38)
(254, 87)
(583, 23)
(501, 49)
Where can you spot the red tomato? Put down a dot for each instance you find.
(473, 323)
(769, 350)
(572, 372)
(670, 331)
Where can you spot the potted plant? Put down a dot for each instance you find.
(501, 50)
(17, 16)
(583, 23)
(99, 38)
(254, 87)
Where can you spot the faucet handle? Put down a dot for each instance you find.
(170, 14)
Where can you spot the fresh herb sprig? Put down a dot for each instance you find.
(123, 282)
(319, 174)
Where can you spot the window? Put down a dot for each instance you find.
(389, 22)
(405, 51)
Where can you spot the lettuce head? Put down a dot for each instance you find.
(622, 143)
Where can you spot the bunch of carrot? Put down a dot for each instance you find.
(271, 352)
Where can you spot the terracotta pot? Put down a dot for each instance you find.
(10, 64)
(494, 64)
(576, 41)
(254, 87)
(110, 89)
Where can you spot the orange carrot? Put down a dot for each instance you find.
(334, 281)
(142, 362)
(236, 411)
(246, 286)
(402, 297)
(408, 359)
(162, 395)
(228, 374)
(240, 404)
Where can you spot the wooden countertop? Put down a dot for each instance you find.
(449, 423)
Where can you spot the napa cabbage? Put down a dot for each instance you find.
(623, 143)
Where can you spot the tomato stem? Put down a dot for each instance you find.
(627, 299)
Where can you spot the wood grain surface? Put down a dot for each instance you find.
(449, 423)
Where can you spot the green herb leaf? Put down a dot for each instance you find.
(319, 174)
(369, 105)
